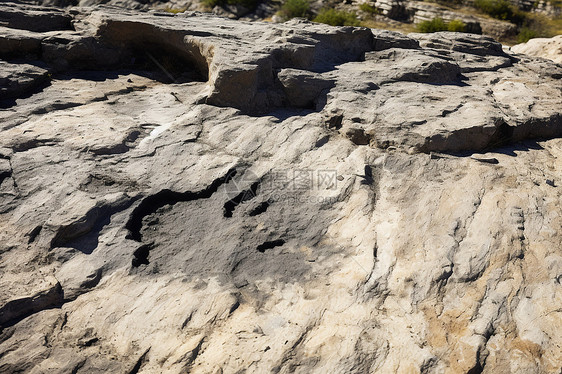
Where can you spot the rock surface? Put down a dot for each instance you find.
(550, 48)
(194, 194)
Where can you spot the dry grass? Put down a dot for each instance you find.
(175, 10)
(402, 27)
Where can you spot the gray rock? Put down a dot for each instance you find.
(189, 193)
(34, 18)
(19, 43)
(385, 39)
(19, 79)
(303, 88)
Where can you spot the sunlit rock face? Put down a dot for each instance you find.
(193, 194)
(550, 48)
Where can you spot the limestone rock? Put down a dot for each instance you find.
(17, 79)
(189, 193)
(550, 48)
(19, 43)
(423, 11)
(32, 18)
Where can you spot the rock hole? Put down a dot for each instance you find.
(503, 135)
(269, 245)
(245, 195)
(140, 256)
(169, 65)
(358, 136)
(32, 235)
(151, 203)
(261, 208)
(368, 177)
(88, 343)
(5, 174)
(322, 141)
(335, 122)
(157, 48)
(477, 369)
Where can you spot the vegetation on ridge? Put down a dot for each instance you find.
(529, 24)
(295, 8)
(500, 9)
(368, 8)
(334, 17)
(437, 24)
(301, 8)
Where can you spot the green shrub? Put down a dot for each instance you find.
(368, 8)
(334, 17)
(295, 8)
(500, 9)
(525, 34)
(437, 24)
(456, 25)
(539, 26)
(434, 25)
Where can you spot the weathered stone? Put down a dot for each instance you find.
(48, 295)
(34, 18)
(550, 48)
(385, 39)
(19, 43)
(195, 194)
(303, 88)
(19, 79)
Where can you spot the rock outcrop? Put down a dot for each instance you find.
(419, 11)
(549, 8)
(550, 48)
(191, 193)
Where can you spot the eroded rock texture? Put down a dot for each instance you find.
(193, 194)
(550, 48)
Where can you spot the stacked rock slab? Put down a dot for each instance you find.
(191, 193)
